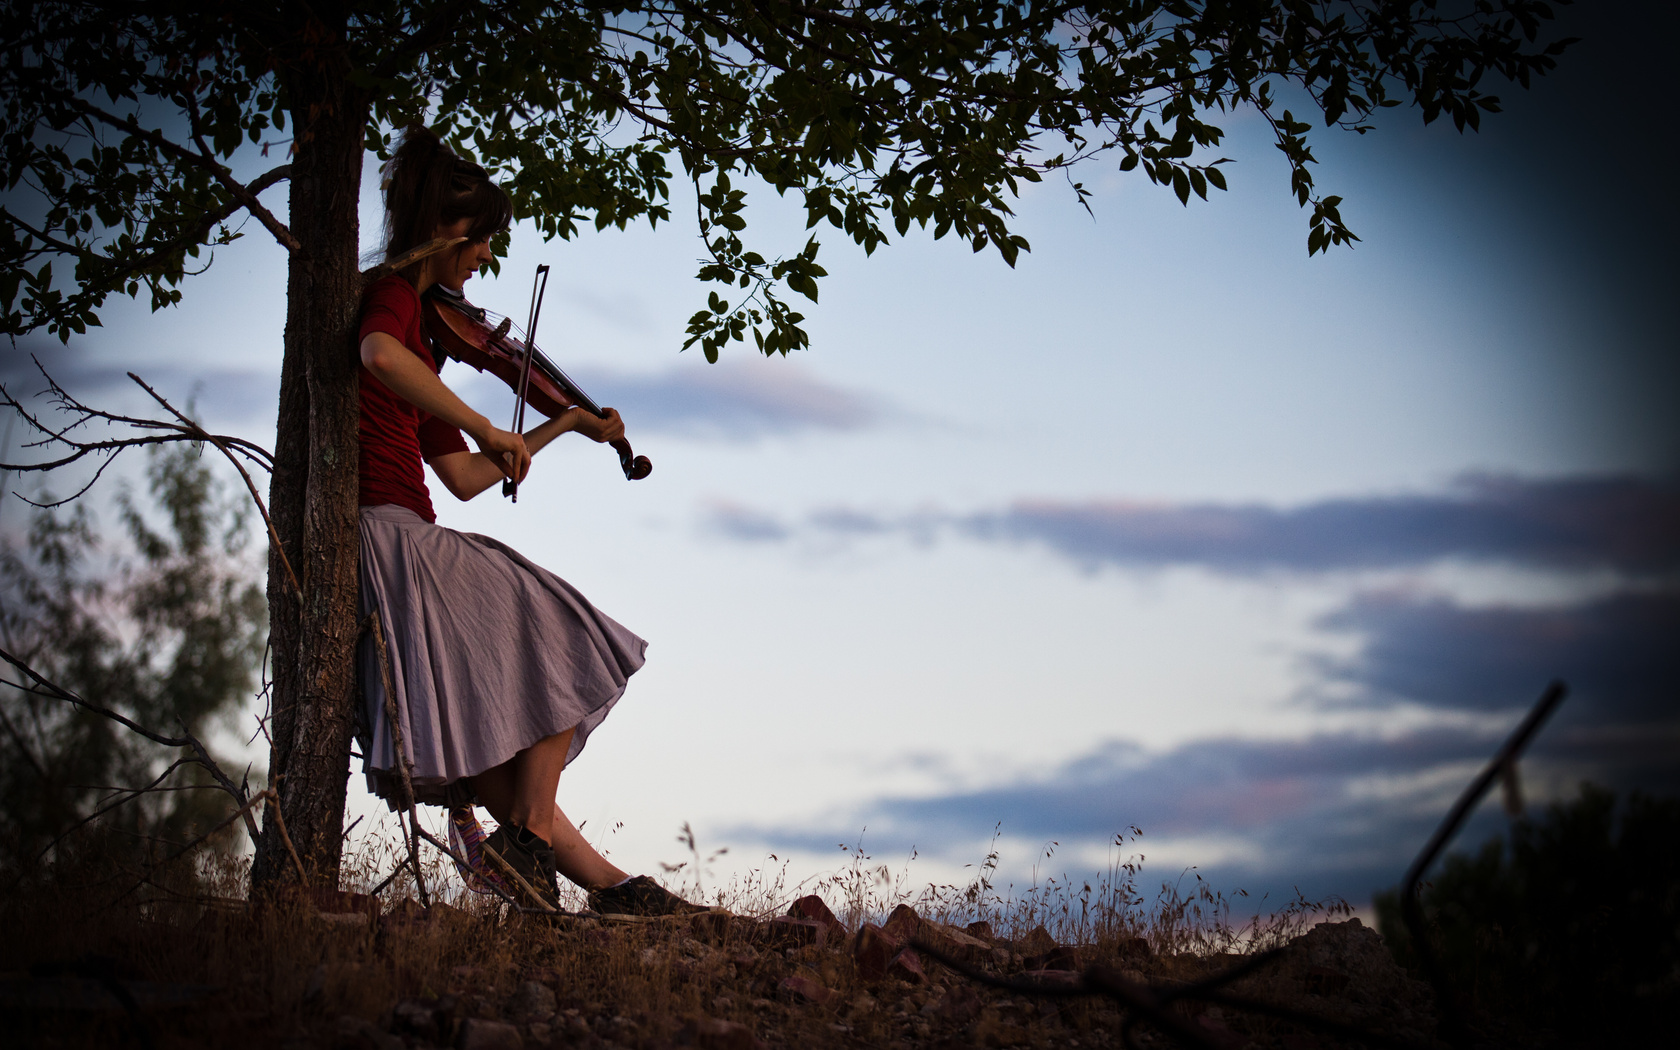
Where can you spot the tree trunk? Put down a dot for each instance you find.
(313, 494)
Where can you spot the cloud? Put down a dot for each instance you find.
(734, 401)
(1626, 523)
(214, 393)
(1622, 654)
(1330, 814)
(1342, 813)
(743, 524)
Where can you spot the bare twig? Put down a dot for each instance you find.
(458, 859)
(130, 794)
(200, 754)
(273, 801)
(280, 823)
(250, 485)
(405, 767)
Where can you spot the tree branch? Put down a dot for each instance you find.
(251, 486)
(206, 162)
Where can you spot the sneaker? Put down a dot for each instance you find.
(526, 864)
(639, 900)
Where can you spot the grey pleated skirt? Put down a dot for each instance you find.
(489, 654)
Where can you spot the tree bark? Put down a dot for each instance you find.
(313, 493)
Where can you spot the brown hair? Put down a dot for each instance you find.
(428, 186)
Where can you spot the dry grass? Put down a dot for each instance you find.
(286, 975)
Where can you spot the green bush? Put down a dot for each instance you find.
(166, 629)
(1573, 925)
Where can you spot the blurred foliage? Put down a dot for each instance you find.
(1573, 925)
(168, 634)
(119, 124)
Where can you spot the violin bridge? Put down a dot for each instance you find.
(502, 330)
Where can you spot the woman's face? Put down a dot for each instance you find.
(461, 262)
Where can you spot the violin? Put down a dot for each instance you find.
(474, 336)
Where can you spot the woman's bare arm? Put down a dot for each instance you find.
(397, 367)
(466, 474)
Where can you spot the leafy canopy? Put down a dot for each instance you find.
(122, 124)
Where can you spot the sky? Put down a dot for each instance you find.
(1171, 526)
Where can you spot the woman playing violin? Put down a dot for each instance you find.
(501, 669)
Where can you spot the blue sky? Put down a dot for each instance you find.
(1170, 526)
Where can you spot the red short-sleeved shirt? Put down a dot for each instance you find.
(395, 436)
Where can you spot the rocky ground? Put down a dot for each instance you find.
(345, 975)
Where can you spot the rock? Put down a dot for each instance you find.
(532, 1002)
(982, 930)
(358, 1033)
(1061, 957)
(954, 943)
(428, 1020)
(1136, 948)
(907, 966)
(873, 951)
(1055, 978)
(785, 932)
(1221, 1036)
(711, 1033)
(806, 989)
(992, 1030)
(1322, 980)
(1038, 942)
(477, 1034)
(902, 924)
(1342, 970)
(711, 927)
(958, 1005)
(541, 1032)
(813, 907)
(316, 984)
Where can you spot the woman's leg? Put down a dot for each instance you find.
(576, 859)
(521, 791)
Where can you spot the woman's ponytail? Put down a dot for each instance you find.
(428, 186)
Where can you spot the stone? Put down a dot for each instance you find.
(806, 989)
(711, 927)
(428, 1020)
(982, 930)
(479, 1034)
(533, 1001)
(954, 943)
(786, 932)
(873, 951)
(902, 924)
(711, 1033)
(1055, 978)
(358, 1033)
(1038, 942)
(907, 966)
(958, 1005)
(1061, 957)
(814, 908)
(1322, 980)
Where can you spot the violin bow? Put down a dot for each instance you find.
(539, 289)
